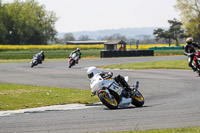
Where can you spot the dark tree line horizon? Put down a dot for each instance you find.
(160, 37)
(175, 32)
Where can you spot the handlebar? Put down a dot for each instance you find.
(136, 85)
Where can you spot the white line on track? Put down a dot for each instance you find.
(47, 108)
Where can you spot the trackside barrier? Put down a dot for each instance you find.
(167, 48)
(132, 53)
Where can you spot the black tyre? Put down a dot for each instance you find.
(33, 64)
(71, 63)
(137, 99)
(199, 72)
(111, 103)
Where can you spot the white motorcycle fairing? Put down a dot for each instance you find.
(98, 84)
(75, 56)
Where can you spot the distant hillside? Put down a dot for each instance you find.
(128, 32)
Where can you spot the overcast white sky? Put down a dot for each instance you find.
(91, 15)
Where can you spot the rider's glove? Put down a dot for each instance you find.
(191, 54)
(110, 74)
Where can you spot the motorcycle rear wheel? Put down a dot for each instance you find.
(111, 103)
(137, 99)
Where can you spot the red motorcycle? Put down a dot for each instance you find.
(197, 61)
(73, 59)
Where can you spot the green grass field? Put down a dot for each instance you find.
(175, 130)
(13, 96)
(176, 64)
(52, 54)
(168, 52)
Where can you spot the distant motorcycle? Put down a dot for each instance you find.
(35, 61)
(113, 95)
(73, 59)
(197, 61)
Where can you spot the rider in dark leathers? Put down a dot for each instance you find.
(189, 51)
(119, 79)
(78, 51)
(40, 57)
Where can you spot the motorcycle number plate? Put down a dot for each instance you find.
(115, 87)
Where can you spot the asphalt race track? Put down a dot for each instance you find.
(171, 98)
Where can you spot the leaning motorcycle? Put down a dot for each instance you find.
(197, 61)
(34, 61)
(73, 59)
(113, 95)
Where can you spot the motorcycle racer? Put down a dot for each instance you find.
(40, 57)
(77, 51)
(93, 72)
(189, 50)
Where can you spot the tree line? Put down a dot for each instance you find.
(189, 26)
(175, 34)
(26, 23)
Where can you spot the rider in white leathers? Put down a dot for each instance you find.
(93, 72)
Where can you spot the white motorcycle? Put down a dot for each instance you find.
(113, 95)
(34, 62)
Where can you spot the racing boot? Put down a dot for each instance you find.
(127, 88)
(193, 68)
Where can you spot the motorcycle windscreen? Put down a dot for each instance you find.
(75, 56)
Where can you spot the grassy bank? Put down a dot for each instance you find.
(168, 52)
(52, 54)
(176, 64)
(175, 130)
(13, 96)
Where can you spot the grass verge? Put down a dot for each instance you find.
(52, 54)
(168, 52)
(174, 64)
(14, 96)
(174, 130)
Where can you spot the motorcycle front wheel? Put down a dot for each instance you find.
(33, 64)
(71, 62)
(137, 99)
(111, 103)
